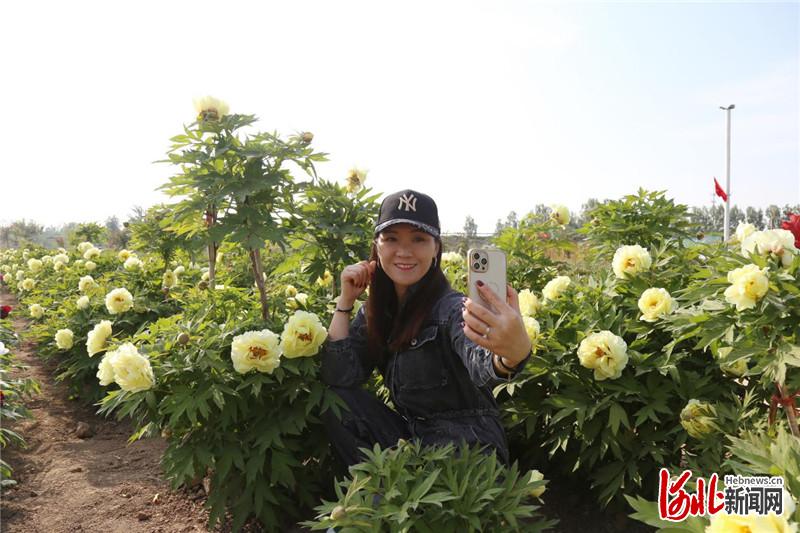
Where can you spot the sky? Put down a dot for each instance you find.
(488, 107)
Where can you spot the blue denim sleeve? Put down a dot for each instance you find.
(345, 362)
(476, 359)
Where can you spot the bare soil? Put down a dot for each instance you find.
(98, 483)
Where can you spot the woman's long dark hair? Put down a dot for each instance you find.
(405, 326)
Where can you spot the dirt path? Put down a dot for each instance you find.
(99, 483)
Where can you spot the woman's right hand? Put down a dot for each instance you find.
(355, 280)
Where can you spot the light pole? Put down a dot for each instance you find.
(727, 230)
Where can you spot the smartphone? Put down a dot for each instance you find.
(489, 266)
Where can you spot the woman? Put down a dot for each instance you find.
(440, 354)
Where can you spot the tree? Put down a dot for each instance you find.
(773, 217)
(470, 230)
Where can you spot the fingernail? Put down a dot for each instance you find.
(480, 283)
(462, 324)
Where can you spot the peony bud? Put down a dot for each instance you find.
(183, 339)
(338, 513)
(307, 137)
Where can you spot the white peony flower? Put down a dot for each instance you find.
(105, 371)
(179, 270)
(169, 279)
(605, 353)
(559, 214)
(96, 340)
(132, 263)
(34, 265)
(36, 310)
(28, 284)
(452, 259)
(124, 255)
(744, 230)
(132, 370)
(64, 339)
(748, 285)
(630, 260)
(91, 253)
(528, 303)
(3, 349)
(655, 303)
(302, 335)
(90, 265)
(536, 476)
(556, 287)
(87, 284)
(290, 291)
(82, 302)
(257, 350)
(61, 258)
(119, 301)
(779, 242)
(210, 108)
(82, 247)
(532, 328)
(356, 177)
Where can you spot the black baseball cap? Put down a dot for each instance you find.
(409, 207)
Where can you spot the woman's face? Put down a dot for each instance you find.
(405, 254)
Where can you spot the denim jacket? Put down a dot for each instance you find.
(442, 384)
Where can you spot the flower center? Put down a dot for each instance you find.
(257, 352)
(305, 337)
(630, 263)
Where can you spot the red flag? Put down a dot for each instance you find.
(720, 191)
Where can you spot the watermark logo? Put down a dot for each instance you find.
(743, 495)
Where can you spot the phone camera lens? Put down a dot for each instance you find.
(476, 255)
(476, 266)
(483, 261)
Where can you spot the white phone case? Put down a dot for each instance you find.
(489, 266)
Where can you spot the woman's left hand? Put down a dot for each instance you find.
(501, 331)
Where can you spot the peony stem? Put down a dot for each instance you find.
(255, 258)
(790, 414)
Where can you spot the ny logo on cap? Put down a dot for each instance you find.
(408, 202)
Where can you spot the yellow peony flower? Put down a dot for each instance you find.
(87, 284)
(210, 108)
(119, 301)
(36, 310)
(655, 303)
(34, 265)
(20, 275)
(180, 269)
(82, 302)
(64, 339)
(91, 253)
(105, 372)
(556, 287)
(302, 335)
(630, 260)
(132, 370)
(748, 285)
(605, 353)
(528, 303)
(697, 418)
(538, 491)
(257, 350)
(301, 298)
(96, 340)
(169, 279)
(559, 214)
(57, 266)
(206, 276)
(325, 280)
(356, 177)
(90, 265)
(132, 263)
(532, 328)
(28, 284)
(123, 255)
(290, 291)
